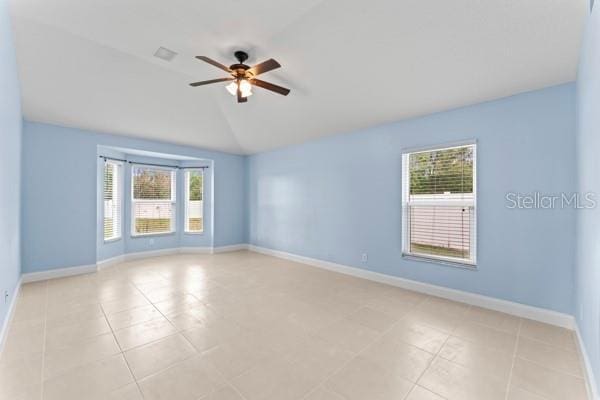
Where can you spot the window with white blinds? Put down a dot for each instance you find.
(112, 200)
(439, 204)
(152, 200)
(194, 194)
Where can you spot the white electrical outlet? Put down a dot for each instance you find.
(5, 296)
(365, 257)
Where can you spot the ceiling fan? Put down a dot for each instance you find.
(243, 76)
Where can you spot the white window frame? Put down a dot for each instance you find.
(454, 261)
(118, 183)
(173, 201)
(187, 199)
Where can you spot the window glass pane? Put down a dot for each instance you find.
(439, 172)
(153, 217)
(152, 184)
(153, 204)
(194, 201)
(440, 230)
(112, 201)
(440, 203)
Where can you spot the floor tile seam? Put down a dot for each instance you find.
(435, 357)
(126, 310)
(514, 359)
(161, 313)
(485, 344)
(122, 353)
(44, 342)
(539, 364)
(177, 331)
(158, 318)
(424, 388)
(155, 373)
(495, 329)
(554, 346)
(355, 356)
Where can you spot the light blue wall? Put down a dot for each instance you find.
(60, 178)
(10, 164)
(587, 283)
(338, 197)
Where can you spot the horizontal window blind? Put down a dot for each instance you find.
(112, 200)
(153, 200)
(442, 174)
(194, 193)
(439, 203)
(440, 230)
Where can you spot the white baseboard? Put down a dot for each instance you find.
(164, 252)
(591, 383)
(9, 315)
(110, 261)
(231, 247)
(58, 273)
(86, 269)
(509, 307)
(195, 250)
(150, 253)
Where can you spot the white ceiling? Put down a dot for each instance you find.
(350, 63)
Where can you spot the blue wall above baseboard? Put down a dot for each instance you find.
(335, 198)
(587, 271)
(10, 166)
(60, 178)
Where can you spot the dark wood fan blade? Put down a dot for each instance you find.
(270, 86)
(211, 81)
(241, 99)
(263, 67)
(213, 62)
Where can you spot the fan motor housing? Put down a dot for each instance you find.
(235, 67)
(241, 56)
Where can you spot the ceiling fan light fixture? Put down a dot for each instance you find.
(242, 77)
(245, 87)
(232, 88)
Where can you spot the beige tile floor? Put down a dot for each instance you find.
(244, 326)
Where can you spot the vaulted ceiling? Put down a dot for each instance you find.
(350, 63)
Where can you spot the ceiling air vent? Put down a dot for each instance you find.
(165, 54)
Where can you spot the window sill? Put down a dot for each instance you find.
(107, 241)
(144, 235)
(443, 261)
(194, 233)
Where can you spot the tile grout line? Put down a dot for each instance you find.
(178, 332)
(550, 367)
(226, 381)
(232, 387)
(514, 359)
(452, 334)
(437, 356)
(119, 344)
(44, 343)
(355, 356)
(122, 353)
